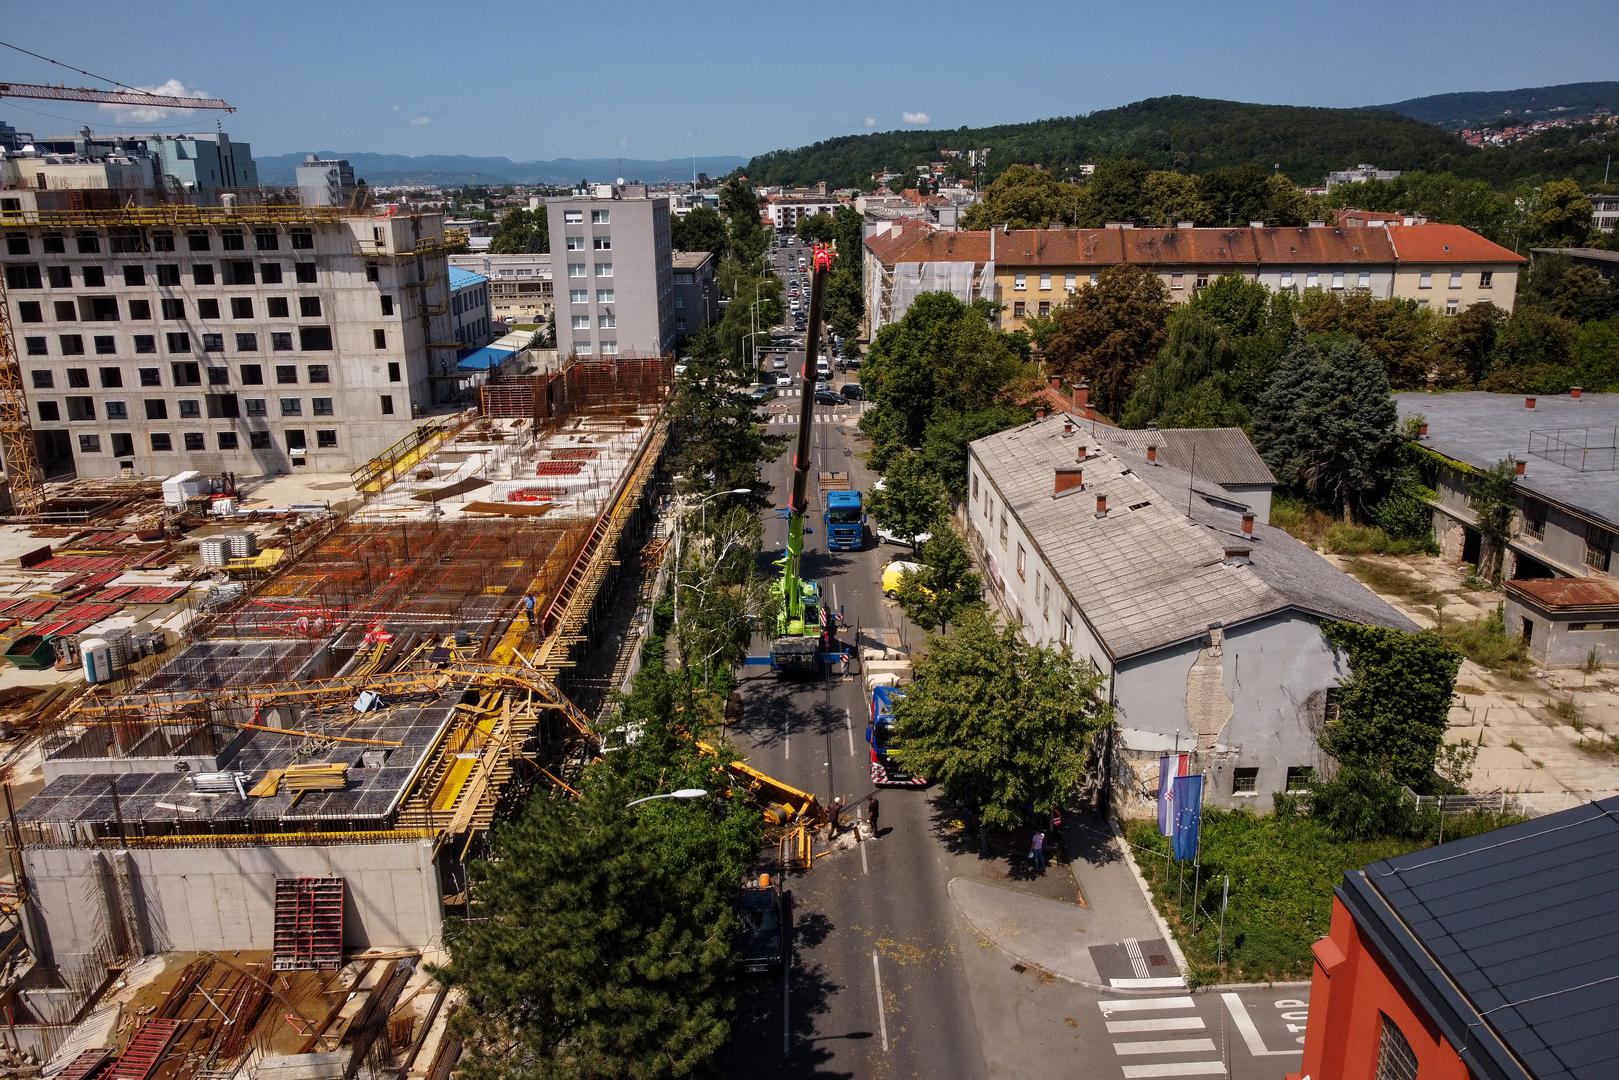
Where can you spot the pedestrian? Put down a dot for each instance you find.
(1037, 849)
(874, 808)
(837, 816)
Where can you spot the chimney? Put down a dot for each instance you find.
(1152, 454)
(1039, 412)
(1082, 399)
(1519, 465)
(1256, 224)
(1248, 523)
(1575, 392)
(1101, 505)
(1067, 426)
(1422, 430)
(1068, 478)
(1529, 403)
(1054, 382)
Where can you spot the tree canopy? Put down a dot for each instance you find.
(1105, 334)
(522, 232)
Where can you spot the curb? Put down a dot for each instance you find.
(1251, 986)
(1146, 895)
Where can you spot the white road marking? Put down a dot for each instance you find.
(1138, 962)
(1144, 1004)
(1164, 1046)
(1157, 1023)
(882, 1018)
(1166, 982)
(1175, 1068)
(1245, 1026)
(848, 727)
(864, 869)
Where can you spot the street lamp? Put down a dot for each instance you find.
(702, 504)
(683, 793)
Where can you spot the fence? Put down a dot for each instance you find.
(1492, 802)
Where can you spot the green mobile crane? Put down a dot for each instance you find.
(803, 625)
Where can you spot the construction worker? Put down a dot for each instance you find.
(873, 807)
(528, 607)
(837, 815)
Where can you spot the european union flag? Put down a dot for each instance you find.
(1188, 816)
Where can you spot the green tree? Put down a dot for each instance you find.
(1325, 425)
(700, 230)
(947, 585)
(1492, 498)
(1114, 192)
(718, 443)
(1399, 332)
(1024, 197)
(1105, 334)
(1168, 198)
(1403, 511)
(521, 232)
(1466, 343)
(1188, 384)
(1569, 290)
(1531, 339)
(748, 235)
(913, 499)
(1561, 214)
(1236, 194)
(999, 723)
(948, 434)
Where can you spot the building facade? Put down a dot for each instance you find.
(784, 210)
(250, 339)
(469, 308)
(613, 256)
(325, 181)
(1449, 268)
(905, 258)
(203, 167)
(1204, 622)
(1604, 212)
(520, 286)
(697, 295)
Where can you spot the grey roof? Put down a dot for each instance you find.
(689, 260)
(1594, 254)
(1149, 575)
(1481, 429)
(1508, 941)
(1221, 455)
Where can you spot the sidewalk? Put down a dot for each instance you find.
(1109, 941)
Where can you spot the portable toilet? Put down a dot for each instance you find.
(97, 657)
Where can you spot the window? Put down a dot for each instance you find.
(1455, 279)
(252, 375)
(320, 373)
(270, 273)
(49, 412)
(607, 321)
(258, 440)
(1244, 780)
(174, 309)
(321, 406)
(72, 344)
(309, 307)
(241, 307)
(29, 311)
(1534, 519)
(1598, 548)
(123, 444)
(162, 240)
(303, 273)
(89, 444)
(285, 374)
(161, 442)
(196, 240)
(1020, 282)
(573, 217)
(194, 441)
(576, 270)
(372, 272)
(227, 440)
(264, 239)
(1363, 280)
(44, 380)
(24, 276)
(387, 403)
(178, 342)
(1045, 282)
(315, 338)
(325, 438)
(583, 348)
(1287, 279)
(157, 409)
(1425, 280)
(65, 310)
(609, 348)
(140, 310)
(203, 273)
(1338, 279)
(575, 243)
(1020, 561)
(168, 275)
(1045, 308)
(190, 409)
(105, 344)
(78, 378)
(98, 309)
(89, 243)
(393, 371)
(1312, 280)
(118, 410)
(16, 243)
(1068, 282)
(36, 346)
(277, 307)
(126, 241)
(578, 296)
(581, 322)
(1019, 309)
(1395, 1059)
(387, 304)
(601, 217)
(50, 243)
(1299, 777)
(81, 408)
(604, 269)
(603, 243)
(111, 378)
(247, 343)
(281, 342)
(1177, 281)
(218, 376)
(256, 406)
(605, 296)
(303, 240)
(150, 376)
(1003, 530)
(291, 406)
(186, 373)
(133, 275)
(1452, 306)
(1486, 279)
(379, 339)
(208, 309)
(232, 240)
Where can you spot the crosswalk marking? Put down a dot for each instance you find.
(1175, 1068)
(1164, 1046)
(1144, 1004)
(1138, 962)
(1157, 1023)
(1166, 982)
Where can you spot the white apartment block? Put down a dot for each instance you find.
(520, 286)
(611, 257)
(251, 339)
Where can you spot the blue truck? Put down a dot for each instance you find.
(887, 761)
(845, 516)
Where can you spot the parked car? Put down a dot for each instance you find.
(825, 395)
(853, 391)
(889, 536)
(762, 394)
(784, 379)
(762, 926)
(894, 572)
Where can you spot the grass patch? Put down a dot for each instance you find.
(1283, 871)
(1393, 581)
(1345, 539)
(1300, 519)
(1567, 711)
(1485, 642)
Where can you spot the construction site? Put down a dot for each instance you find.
(232, 843)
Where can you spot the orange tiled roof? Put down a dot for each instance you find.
(1568, 592)
(1436, 243)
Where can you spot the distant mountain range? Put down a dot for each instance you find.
(462, 169)
(1457, 111)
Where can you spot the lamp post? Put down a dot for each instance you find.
(683, 793)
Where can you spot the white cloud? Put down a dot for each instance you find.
(871, 121)
(396, 108)
(623, 142)
(147, 114)
(915, 117)
(420, 121)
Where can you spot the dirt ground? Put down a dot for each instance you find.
(1551, 736)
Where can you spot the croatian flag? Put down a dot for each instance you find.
(1169, 767)
(1188, 816)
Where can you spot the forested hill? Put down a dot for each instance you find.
(1186, 133)
(1457, 111)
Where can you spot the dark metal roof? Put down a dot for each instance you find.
(1509, 941)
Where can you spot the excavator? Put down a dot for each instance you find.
(804, 627)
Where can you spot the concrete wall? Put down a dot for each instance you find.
(1554, 643)
(224, 898)
(1273, 677)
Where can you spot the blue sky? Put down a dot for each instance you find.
(661, 80)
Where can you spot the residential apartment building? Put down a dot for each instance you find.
(520, 286)
(612, 250)
(469, 308)
(1480, 959)
(905, 258)
(1604, 212)
(697, 295)
(251, 339)
(1560, 567)
(203, 167)
(1203, 620)
(325, 181)
(785, 209)
(1448, 267)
